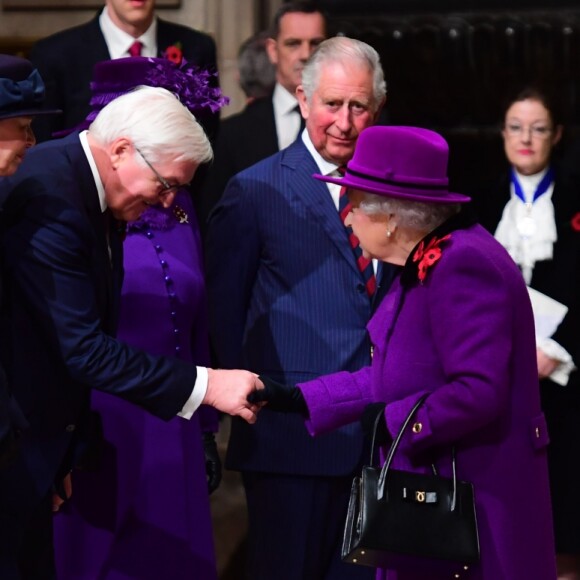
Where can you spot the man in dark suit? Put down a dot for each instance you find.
(62, 263)
(269, 124)
(66, 59)
(299, 310)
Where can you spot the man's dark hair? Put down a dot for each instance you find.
(290, 7)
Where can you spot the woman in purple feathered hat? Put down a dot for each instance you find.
(143, 510)
(456, 327)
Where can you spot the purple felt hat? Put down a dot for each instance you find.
(192, 85)
(403, 162)
(21, 89)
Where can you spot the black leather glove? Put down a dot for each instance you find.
(213, 463)
(285, 398)
(372, 413)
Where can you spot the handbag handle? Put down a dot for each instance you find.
(382, 483)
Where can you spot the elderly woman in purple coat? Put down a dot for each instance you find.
(457, 325)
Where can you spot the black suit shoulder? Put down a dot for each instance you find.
(64, 37)
(198, 47)
(243, 140)
(258, 110)
(65, 61)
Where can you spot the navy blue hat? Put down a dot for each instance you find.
(21, 89)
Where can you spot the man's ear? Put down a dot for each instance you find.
(302, 101)
(119, 150)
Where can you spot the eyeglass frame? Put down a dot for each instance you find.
(537, 131)
(167, 187)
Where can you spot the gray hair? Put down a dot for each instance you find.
(416, 215)
(157, 123)
(257, 73)
(336, 50)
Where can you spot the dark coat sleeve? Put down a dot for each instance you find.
(65, 61)
(56, 292)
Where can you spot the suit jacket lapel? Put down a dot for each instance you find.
(165, 37)
(108, 267)
(315, 195)
(95, 45)
(267, 126)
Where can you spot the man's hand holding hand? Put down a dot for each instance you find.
(228, 391)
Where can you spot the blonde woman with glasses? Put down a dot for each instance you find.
(534, 212)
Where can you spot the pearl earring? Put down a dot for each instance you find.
(389, 233)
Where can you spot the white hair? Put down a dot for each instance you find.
(416, 215)
(339, 49)
(158, 125)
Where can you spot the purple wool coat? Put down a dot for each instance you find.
(466, 336)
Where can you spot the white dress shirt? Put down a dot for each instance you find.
(286, 117)
(200, 386)
(118, 41)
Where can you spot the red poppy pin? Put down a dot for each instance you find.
(575, 222)
(174, 53)
(428, 255)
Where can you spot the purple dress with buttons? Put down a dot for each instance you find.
(145, 514)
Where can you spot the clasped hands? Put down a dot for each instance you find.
(243, 393)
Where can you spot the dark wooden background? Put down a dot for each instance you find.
(450, 63)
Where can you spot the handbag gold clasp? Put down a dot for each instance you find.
(420, 496)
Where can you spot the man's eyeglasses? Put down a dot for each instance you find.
(535, 131)
(166, 186)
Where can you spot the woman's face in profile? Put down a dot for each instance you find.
(529, 136)
(16, 137)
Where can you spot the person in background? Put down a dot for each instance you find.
(122, 28)
(256, 73)
(267, 125)
(300, 308)
(21, 98)
(456, 325)
(144, 513)
(62, 254)
(534, 212)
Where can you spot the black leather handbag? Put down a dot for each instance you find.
(410, 521)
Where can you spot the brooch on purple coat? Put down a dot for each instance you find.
(428, 255)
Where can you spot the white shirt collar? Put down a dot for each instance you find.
(118, 41)
(98, 181)
(529, 183)
(325, 167)
(284, 102)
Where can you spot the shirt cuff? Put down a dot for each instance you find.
(561, 374)
(197, 395)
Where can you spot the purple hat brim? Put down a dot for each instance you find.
(388, 190)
